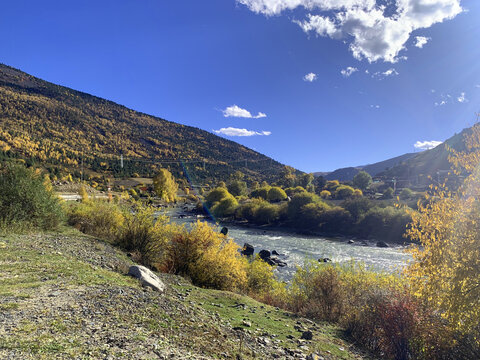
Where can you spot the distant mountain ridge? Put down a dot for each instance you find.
(412, 169)
(348, 173)
(65, 129)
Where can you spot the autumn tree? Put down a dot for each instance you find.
(165, 185)
(288, 178)
(446, 267)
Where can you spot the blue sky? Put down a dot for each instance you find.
(242, 68)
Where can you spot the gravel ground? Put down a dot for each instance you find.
(65, 296)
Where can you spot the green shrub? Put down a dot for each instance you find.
(298, 201)
(332, 185)
(357, 207)
(291, 191)
(221, 202)
(216, 195)
(406, 194)
(25, 201)
(387, 223)
(248, 209)
(388, 193)
(336, 220)
(237, 188)
(276, 194)
(310, 215)
(266, 214)
(344, 192)
(225, 207)
(325, 194)
(261, 193)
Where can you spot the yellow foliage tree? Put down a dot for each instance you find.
(165, 185)
(446, 267)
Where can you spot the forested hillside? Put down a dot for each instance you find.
(60, 128)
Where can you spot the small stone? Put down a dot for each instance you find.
(307, 335)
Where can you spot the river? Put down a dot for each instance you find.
(294, 249)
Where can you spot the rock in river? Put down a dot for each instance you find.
(247, 249)
(264, 254)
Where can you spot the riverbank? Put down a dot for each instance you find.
(182, 212)
(295, 249)
(65, 295)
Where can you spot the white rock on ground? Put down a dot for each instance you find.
(147, 277)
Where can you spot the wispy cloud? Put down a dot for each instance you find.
(384, 74)
(426, 145)
(231, 131)
(310, 77)
(236, 111)
(348, 71)
(370, 31)
(375, 106)
(462, 98)
(420, 41)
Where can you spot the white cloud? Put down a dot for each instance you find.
(310, 77)
(477, 86)
(231, 131)
(462, 98)
(390, 72)
(443, 102)
(420, 41)
(348, 71)
(375, 106)
(383, 74)
(426, 145)
(236, 111)
(372, 30)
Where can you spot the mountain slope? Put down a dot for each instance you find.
(347, 174)
(428, 163)
(60, 127)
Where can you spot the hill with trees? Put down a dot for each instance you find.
(412, 169)
(348, 173)
(66, 130)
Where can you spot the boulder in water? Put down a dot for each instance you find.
(224, 231)
(324, 260)
(382, 244)
(274, 252)
(274, 261)
(264, 254)
(247, 249)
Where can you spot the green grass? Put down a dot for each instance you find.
(29, 269)
(268, 320)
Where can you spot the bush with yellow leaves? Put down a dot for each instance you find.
(209, 258)
(98, 218)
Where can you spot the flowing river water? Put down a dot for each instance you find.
(294, 249)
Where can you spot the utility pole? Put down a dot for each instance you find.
(81, 176)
